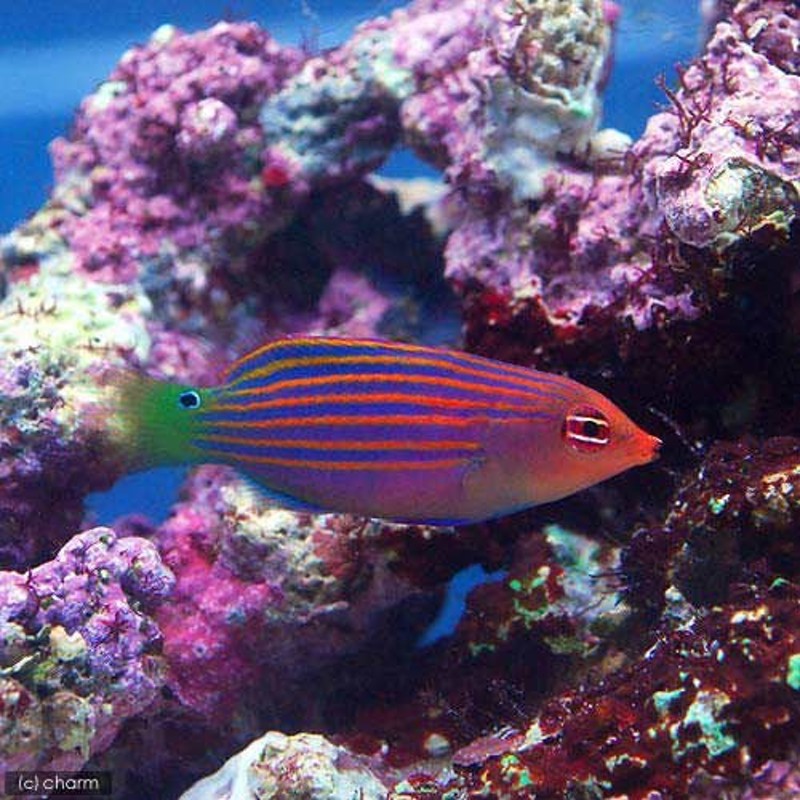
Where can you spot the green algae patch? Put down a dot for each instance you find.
(705, 715)
(665, 701)
(793, 672)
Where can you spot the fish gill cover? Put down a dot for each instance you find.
(641, 638)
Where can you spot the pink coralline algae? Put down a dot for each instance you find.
(630, 239)
(728, 162)
(484, 91)
(640, 640)
(164, 159)
(261, 590)
(79, 649)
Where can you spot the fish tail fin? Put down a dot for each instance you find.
(144, 422)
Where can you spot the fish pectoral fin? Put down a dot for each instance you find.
(259, 491)
(473, 468)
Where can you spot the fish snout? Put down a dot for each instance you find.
(652, 448)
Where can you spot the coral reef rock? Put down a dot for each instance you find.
(639, 640)
(79, 649)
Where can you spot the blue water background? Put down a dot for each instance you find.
(53, 53)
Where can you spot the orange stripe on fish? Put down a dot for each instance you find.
(278, 461)
(338, 420)
(395, 398)
(338, 444)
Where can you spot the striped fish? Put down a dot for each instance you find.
(397, 431)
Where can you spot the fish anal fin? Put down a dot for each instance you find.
(256, 492)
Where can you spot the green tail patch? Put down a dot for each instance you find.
(153, 422)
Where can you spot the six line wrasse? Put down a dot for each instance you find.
(380, 429)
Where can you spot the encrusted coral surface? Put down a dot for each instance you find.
(635, 241)
(261, 591)
(639, 640)
(279, 766)
(79, 649)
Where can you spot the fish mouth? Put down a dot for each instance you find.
(652, 448)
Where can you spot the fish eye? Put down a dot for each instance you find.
(586, 429)
(189, 399)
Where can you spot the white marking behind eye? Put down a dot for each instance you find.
(591, 440)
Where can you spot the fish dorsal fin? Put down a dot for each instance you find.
(313, 356)
(302, 356)
(264, 360)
